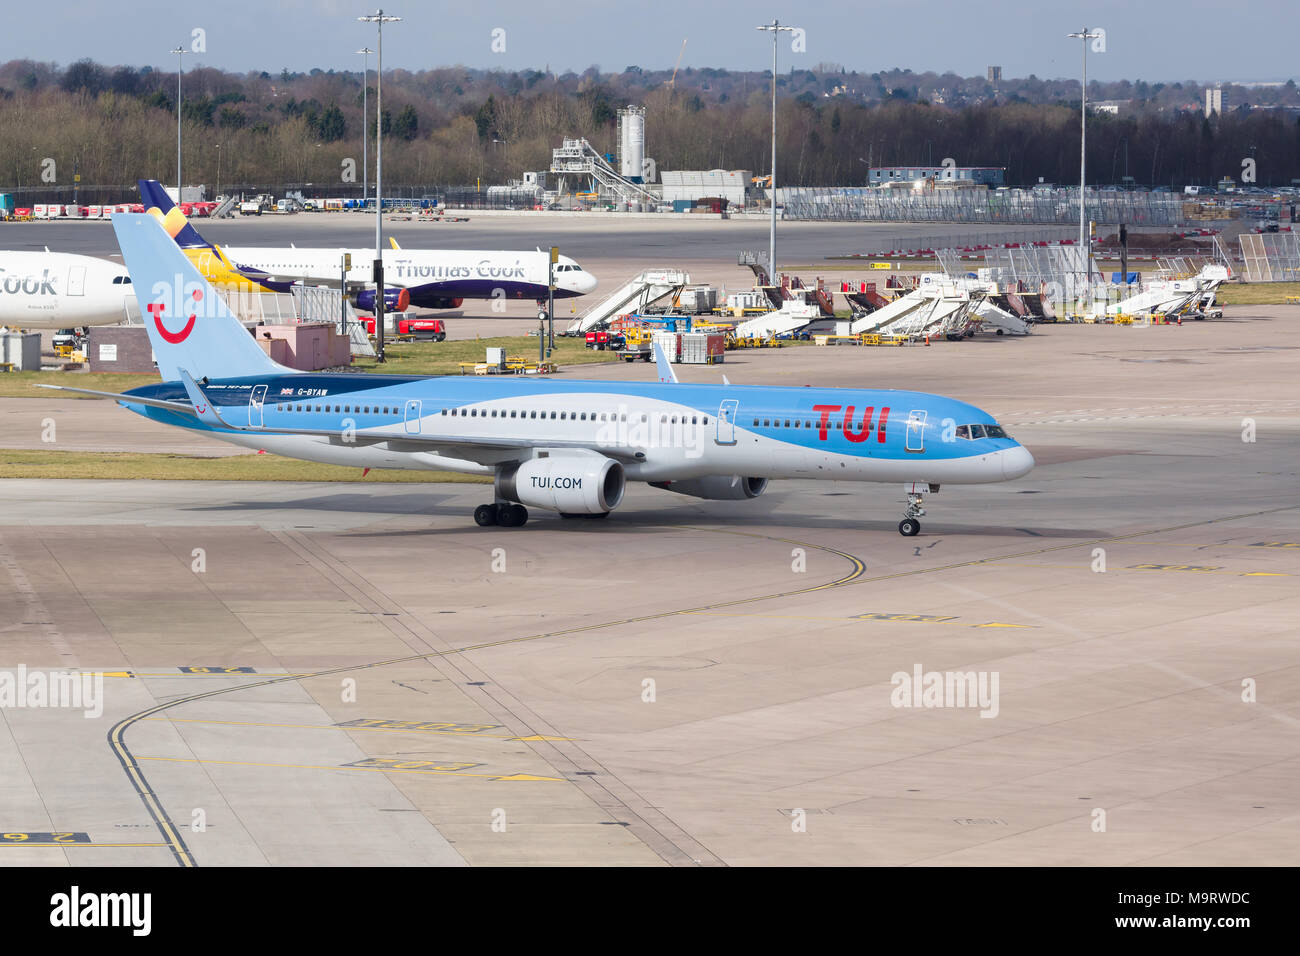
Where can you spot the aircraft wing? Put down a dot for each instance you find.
(329, 282)
(455, 446)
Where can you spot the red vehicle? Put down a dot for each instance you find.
(434, 329)
(604, 339)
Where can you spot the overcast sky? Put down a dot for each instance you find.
(1159, 40)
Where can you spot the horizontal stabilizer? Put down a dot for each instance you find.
(133, 399)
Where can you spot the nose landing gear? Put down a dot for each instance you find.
(909, 527)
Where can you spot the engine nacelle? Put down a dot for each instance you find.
(441, 302)
(395, 300)
(716, 487)
(573, 484)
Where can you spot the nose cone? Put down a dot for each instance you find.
(1016, 462)
(585, 282)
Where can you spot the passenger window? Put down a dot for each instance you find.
(755, 422)
(706, 419)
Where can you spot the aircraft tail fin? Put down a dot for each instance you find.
(189, 324)
(665, 369)
(159, 205)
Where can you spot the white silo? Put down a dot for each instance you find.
(631, 142)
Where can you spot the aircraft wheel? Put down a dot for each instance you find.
(999, 331)
(511, 515)
(485, 515)
(542, 315)
(909, 527)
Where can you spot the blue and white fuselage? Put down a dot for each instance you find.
(661, 432)
(564, 446)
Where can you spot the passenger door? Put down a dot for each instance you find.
(256, 401)
(915, 442)
(77, 280)
(413, 416)
(726, 431)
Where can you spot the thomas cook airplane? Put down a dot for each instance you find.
(59, 290)
(425, 279)
(563, 446)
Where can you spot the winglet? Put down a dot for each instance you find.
(666, 373)
(202, 407)
(394, 243)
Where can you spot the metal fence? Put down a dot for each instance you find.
(1271, 256)
(1060, 206)
(968, 240)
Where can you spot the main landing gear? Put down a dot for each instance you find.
(910, 526)
(503, 513)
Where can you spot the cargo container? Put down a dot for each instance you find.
(702, 348)
(671, 343)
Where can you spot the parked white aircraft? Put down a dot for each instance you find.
(424, 278)
(59, 290)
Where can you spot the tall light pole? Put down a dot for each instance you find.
(1083, 36)
(378, 18)
(180, 53)
(365, 125)
(776, 29)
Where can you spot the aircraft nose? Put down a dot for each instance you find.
(586, 282)
(1016, 462)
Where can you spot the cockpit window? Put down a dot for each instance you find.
(963, 431)
(995, 431)
(977, 431)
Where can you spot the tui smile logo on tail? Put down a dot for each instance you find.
(156, 309)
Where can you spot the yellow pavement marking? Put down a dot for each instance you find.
(1083, 566)
(68, 845)
(305, 766)
(254, 723)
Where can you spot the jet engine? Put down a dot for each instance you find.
(395, 300)
(441, 302)
(716, 487)
(572, 484)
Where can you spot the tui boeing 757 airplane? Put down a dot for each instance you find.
(566, 446)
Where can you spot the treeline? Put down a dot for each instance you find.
(112, 125)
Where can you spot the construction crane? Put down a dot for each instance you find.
(672, 84)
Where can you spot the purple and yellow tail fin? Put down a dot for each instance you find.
(159, 205)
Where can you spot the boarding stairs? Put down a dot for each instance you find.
(632, 296)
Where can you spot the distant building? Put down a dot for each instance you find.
(1214, 100)
(690, 185)
(978, 175)
(1109, 106)
(995, 75)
